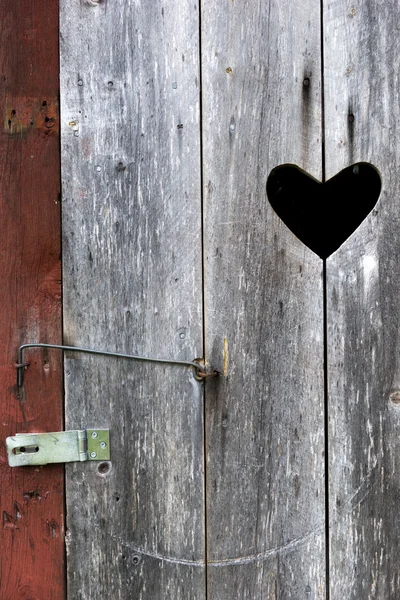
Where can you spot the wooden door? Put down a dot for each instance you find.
(276, 478)
(133, 277)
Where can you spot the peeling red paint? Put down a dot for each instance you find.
(31, 499)
(23, 114)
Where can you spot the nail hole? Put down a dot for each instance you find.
(103, 468)
(136, 559)
(351, 118)
(44, 103)
(13, 113)
(395, 397)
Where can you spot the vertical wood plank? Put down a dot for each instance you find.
(31, 499)
(263, 305)
(362, 79)
(133, 283)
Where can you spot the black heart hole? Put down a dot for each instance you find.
(323, 215)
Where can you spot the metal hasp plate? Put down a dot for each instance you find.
(30, 449)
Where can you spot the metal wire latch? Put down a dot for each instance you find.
(200, 371)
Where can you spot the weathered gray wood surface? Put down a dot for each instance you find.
(362, 50)
(132, 283)
(263, 305)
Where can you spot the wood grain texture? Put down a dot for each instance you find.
(133, 283)
(263, 305)
(31, 499)
(362, 79)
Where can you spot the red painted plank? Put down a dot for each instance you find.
(31, 499)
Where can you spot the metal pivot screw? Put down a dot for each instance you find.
(93, 455)
(94, 434)
(103, 445)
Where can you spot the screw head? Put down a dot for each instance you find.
(94, 434)
(103, 445)
(93, 455)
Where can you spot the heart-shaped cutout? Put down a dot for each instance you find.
(323, 215)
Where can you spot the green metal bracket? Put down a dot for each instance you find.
(33, 449)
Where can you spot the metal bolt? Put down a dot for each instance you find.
(80, 82)
(93, 455)
(103, 445)
(174, 85)
(94, 434)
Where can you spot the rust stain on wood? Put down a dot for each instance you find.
(31, 499)
(226, 358)
(21, 114)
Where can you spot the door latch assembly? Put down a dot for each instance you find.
(33, 449)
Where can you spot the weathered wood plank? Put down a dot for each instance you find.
(133, 283)
(362, 65)
(263, 303)
(31, 500)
